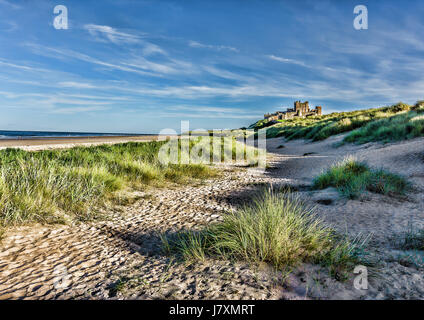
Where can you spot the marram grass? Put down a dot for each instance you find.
(396, 128)
(410, 239)
(352, 178)
(398, 122)
(71, 184)
(277, 229)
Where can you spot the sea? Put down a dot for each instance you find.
(6, 134)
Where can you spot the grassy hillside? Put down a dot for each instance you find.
(399, 127)
(403, 120)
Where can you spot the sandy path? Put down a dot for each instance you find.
(120, 257)
(85, 260)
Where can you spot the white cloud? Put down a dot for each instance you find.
(61, 100)
(103, 33)
(62, 53)
(21, 67)
(222, 73)
(144, 64)
(14, 95)
(208, 115)
(285, 60)
(77, 85)
(73, 110)
(195, 44)
(207, 112)
(109, 34)
(132, 63)
(206, 109)
(151, 49)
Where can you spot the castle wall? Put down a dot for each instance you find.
(301, 109)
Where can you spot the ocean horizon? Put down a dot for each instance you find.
(23, 134)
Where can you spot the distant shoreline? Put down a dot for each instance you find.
(41, 143)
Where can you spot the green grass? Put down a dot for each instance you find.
(411, 239)
(56, 186)
(118, 286)
(352, 178)
(261, 124)
(400, 117)
(276, 229)
(396, 128)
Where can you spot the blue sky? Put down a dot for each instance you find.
(142, 66)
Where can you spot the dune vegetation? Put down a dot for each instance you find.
(395, 128)
(352, 178)
(276, 228)
(404, 121)
(410, 239)
(56, 186)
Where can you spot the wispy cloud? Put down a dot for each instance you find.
(6, 63)
(9, 26)
(10, 4)
(146, 65)
(106, 33)
(211, 116)
(110, 34)
(76, 85)
(62, 53)
(73, 110)
(196, 44)
(151, 49)
(208, 115)
(208, 112)
(285, 60)
(206, 109)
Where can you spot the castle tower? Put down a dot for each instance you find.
(318, 110)
(296, 105)
(306, 106)
(302, 108)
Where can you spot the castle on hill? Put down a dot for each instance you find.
(300, 110)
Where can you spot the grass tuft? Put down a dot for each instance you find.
(276, 228)
(353, 178)
(411, 239)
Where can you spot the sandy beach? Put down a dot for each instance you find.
(121, 257)
(33, 144)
